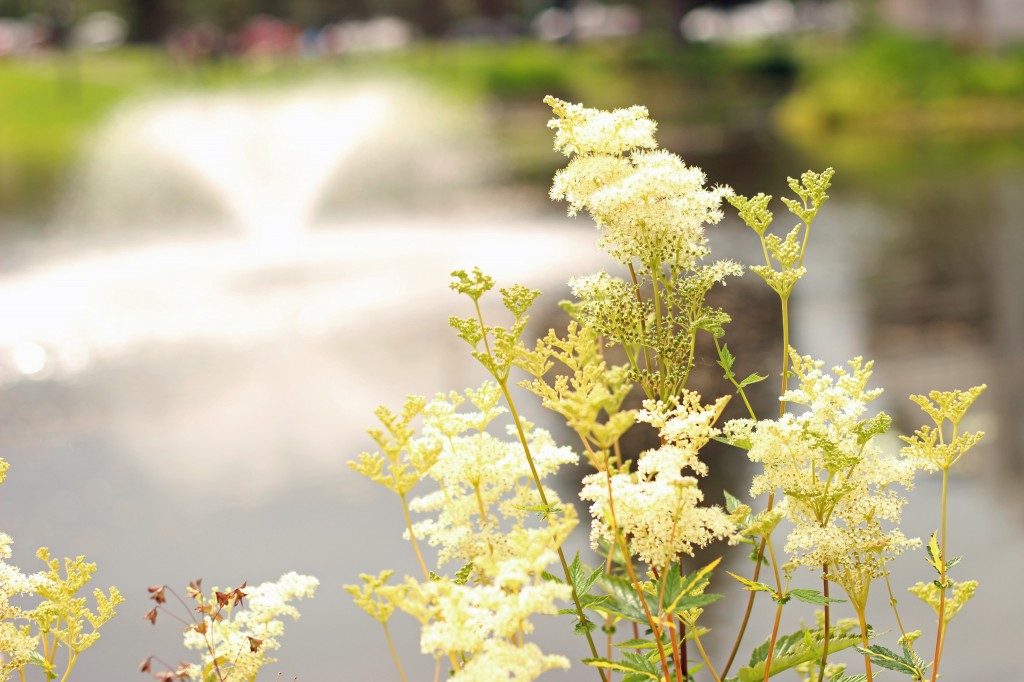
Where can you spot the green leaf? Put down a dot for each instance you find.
(623, 600)
(726, 360)
(889, 659)
(636, 644)
(584, 626)
(792, 650)
(583, 577)
(463, 574)
(732, 503)
(752, 379)
(637, 664)
(684, 593)
(751, 585)
(813, 597)
(849, 678)
(934, 554)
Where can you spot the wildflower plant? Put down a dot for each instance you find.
(235, 629)
(60, 626)
(475, 472)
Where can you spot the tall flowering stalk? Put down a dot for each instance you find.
(490, 511)
(52, 634)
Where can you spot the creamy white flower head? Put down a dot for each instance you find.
(581, 130)
(502, 660)
(838, 485)
(685, 426)
(258, 618)
(466, 618)
(650, 206)
(662, 518)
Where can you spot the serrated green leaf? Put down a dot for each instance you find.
(584, 626)
(623, 600)
(934, 554)
(751, 585)
(684, 593)
(732, 503)
(792, 650)
(849, 678)
(886, 658)
(813, 597)
(583, 577)
(726, 361)
(752, 379)
(463, 574)
(636, 664)
(589, 601)
(550, 577)
(636, 644)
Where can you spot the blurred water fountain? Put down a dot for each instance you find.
(200, 343)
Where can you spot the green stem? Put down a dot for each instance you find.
(643, 323)
(807, 238)
(544, 501)
(864, 639)
(750, 599)
(732, 379)
(703, 654)
(412, 537)
(71, 664)
(824, 591)
(892, 599)
(394, 654)
(940, 635)
(785, 354)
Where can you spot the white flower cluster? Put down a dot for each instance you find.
(246, 636)
(657, 507)
(16, 647)
(487, 515)
(836, 481)
(486, 495)
(649, 204)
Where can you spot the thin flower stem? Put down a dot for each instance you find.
(412, 537)
(676, 655)
(785, 354)
(544, 500)
(655, 628)
(824, 591)
(864, 639)
(750, 599)
(643, 324)
(732, 379)
(682, 661)
(71, 664)
(807, 238)
(394, 654)
(940, 634)
(892, 600)
(771, 644)
(703, 654)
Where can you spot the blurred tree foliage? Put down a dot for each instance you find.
(151, 20)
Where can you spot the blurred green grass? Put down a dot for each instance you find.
(853, 97)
